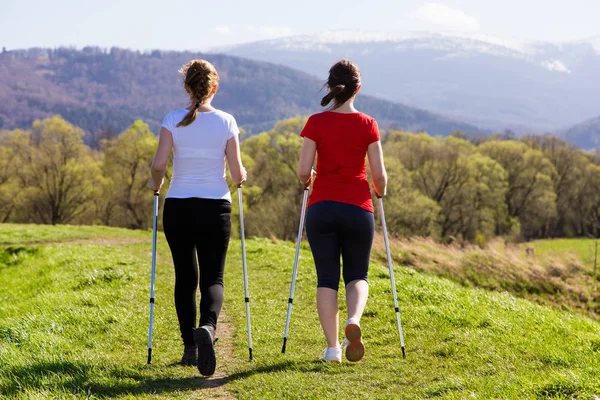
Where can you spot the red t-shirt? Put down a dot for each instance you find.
(342, 141)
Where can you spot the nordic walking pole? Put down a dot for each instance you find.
(154, 223)
(389, 257)
(246, 294)
(291, 299)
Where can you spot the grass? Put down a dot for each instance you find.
(39, 234)
(73, 324)
(556, 275)
(583, 248)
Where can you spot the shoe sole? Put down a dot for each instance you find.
(355, 350)
(189, 362)
(207, 361)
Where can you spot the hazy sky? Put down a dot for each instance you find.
(200, 25)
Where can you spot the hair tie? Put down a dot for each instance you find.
(197, 105)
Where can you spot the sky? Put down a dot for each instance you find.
(206, 24)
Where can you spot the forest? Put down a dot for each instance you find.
(106, 90)
(453, 188)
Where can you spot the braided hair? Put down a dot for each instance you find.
(200, 77)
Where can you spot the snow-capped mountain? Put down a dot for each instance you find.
(493, 82)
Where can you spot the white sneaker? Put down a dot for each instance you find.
(333, 354)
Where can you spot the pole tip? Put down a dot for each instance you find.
(283, 347)
(149, 356)
(403, 352)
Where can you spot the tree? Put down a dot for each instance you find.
(489, 187)
(537, 186)
(467, 187)
(13, 145)
(127, 161)
(570, 164)
(586, 206)
(408, 211)
(530, 196)
(58, 172)
(275, 206)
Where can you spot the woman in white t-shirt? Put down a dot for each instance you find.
(197, 211)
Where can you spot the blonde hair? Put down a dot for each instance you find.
(200, 78)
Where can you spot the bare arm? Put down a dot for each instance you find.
(375, 154)
(306, 161)
(161, 158)
(237, 172)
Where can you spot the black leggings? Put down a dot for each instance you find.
(197, 226)
(337, 228)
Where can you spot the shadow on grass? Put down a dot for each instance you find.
(104, 381)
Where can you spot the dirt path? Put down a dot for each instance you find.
(214, 387)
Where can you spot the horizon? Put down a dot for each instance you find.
(370, 36)
(149, 25)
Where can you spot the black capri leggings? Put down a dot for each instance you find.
(337, 228)
(201, 227)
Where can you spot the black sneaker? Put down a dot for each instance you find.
(190, 355)
(207, 361)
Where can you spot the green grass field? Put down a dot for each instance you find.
(584, 248)
(74, 317)
(11, 234)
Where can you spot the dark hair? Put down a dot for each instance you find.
(200, 77)
(343, 82)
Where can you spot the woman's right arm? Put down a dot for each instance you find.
(237, 172)
(305, 170)
(161, 159)
(375, 154)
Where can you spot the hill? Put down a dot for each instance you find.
(98, 89)
(491, 82)
(79, 330)
(585, 134)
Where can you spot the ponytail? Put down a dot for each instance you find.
(343, 83)
(190, 116)
(333, 93)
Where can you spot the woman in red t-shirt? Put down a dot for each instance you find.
(340, 219)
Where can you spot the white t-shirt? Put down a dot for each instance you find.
(199, 154)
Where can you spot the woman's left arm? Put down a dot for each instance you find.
(305, 170)
(159, 164)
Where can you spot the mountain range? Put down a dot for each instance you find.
(108, 89)
(494, 83)
(586, 134)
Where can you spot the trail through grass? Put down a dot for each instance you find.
(73, 324)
